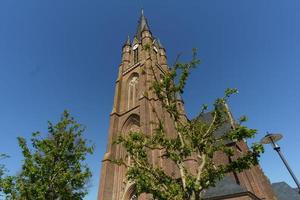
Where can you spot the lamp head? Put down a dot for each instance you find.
(271, 138)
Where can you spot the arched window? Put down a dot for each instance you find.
(136, 56)
(133, 91)
(132, 124)
(130, 193)
(134, 128)
(135, 53)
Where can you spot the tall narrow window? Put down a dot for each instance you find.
(136, 55)
(132, 91)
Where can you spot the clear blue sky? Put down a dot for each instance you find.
(64, 54)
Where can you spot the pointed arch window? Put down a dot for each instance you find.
(133, 91)
(135, 53)
(136, 56)
(130, 193)
(132, 124)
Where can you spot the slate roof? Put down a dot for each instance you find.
(226, 186)
(208, 117)
(285, 192)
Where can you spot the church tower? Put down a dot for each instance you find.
(143, 59)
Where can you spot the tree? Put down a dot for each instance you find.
(195, 142)
(2, 167)
(2, 171)
(53, 168)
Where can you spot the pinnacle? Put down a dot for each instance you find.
(127, 41)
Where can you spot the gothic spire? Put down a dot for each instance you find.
(142, 25)
(127, 41)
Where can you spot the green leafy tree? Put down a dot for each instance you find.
(2, 167)
(195, 142)
(2, 172)
(53, 168)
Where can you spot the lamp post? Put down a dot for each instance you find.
(272, 139)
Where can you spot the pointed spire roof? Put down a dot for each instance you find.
(142, 25)
(145, 28)
(127, 41)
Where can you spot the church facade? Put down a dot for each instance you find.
(132, 111)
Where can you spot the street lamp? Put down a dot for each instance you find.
(272, 139)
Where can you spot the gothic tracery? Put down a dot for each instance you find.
(132, 91)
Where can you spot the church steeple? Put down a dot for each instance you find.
(143, 61)
(142, 26)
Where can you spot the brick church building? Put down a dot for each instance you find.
(132, 111)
